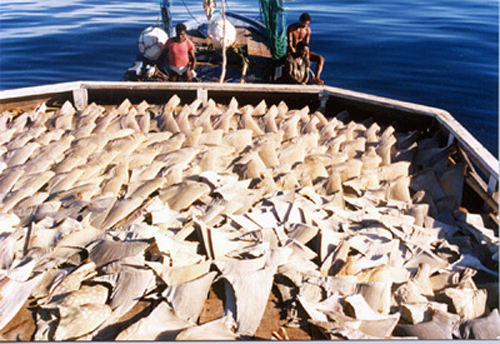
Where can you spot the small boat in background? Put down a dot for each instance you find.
(253, 53)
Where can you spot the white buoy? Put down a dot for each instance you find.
(151, 41)
(216, 33)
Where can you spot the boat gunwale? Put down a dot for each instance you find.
(488, 164)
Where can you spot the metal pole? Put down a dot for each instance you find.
(224, 58)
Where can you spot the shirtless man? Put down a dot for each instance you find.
(301, 31)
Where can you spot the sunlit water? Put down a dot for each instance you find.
(439, 53)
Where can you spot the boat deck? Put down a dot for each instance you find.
(249, 49)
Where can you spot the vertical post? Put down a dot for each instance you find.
(80, 98)
(202, 94)
(323, 99)
(492, 183)
(166, 16)
(451, 138)
(224, 57)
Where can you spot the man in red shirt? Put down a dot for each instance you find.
(181, 57)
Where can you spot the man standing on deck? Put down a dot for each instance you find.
(301, 31)
(181, 57)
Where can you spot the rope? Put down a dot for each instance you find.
(275, 25)
(192, 16)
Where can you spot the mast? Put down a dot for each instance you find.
(166, 16)
(224, 57)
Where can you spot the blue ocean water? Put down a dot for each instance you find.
(438, 53)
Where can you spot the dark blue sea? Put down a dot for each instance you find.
(440, 53)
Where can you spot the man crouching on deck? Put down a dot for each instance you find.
(181, 57)
(301, 31)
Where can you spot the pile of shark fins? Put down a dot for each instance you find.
(118, 223)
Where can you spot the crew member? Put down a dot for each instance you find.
(300, 31)
(181, 55)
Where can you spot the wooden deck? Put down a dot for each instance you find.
(250, 48)
(256, 47)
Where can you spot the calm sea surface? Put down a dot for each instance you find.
(440, 53)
